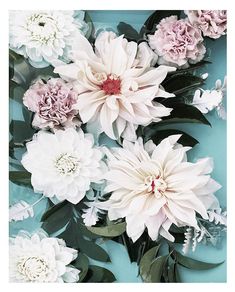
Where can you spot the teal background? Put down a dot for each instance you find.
(212, 143)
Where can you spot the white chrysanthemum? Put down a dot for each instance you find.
(117, 84)
(45, 36)
(38, 258)
(155, 187)
(63, 164)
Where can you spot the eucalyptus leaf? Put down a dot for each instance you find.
(22, 178)
(98, 274)
(156, 269)
(109, 230)
(192, 263)
(82, 264)
(146, 261)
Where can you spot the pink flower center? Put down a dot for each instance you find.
(112, 85)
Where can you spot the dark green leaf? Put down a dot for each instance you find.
(183, 113)
(177, 275)
(21, 131)
(192, 67)
(82, 264)
(110, 230)
(74, 237)
(156, 269)
(98, 274)
(194, 264)
(129, 32)
(158, 135)
(180, 83)
(146, 261)
(22, 178)
(16, 92)
(55, 209)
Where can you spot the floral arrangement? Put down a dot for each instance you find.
(93, 143)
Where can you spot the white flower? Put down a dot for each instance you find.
(45, 36)
(207, 100)
(117, 86)
(155, 187)
(20, 211)
(38, 258)
(63, 164)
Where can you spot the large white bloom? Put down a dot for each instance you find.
(45, 36)
(117, 84)
(155, 187)
(38, 258)
(63, 164)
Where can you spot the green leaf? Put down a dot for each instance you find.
(129, 32)
(16, 92)
(183, 113)
(21, 131)
(158, 135)
(146, 261)
(192, 67)
(22, 178)
(110, 230)
(194, 264)
(82, 264)
(56, 217)
(75, 237)
(180, 83)
(156, 268)
(98, 274)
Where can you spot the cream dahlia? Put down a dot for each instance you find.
(63, 164)
(116, 83)
(54, 104)
(155, 187)
(38, 258)
(45, 36)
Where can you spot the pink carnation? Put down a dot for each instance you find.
(54, 104)
(177, 42)
(212, 23)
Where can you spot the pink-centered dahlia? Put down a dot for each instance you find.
(155, 186)
(177, 42)
(54, 104)
(117, 84)
(212, 23)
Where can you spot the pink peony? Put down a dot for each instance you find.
(212, 23)
(54, 104)
(177, 42)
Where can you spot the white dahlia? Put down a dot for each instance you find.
(117, 84)
(38, 258)
(155, 187)
(45, 36)
(63, 164)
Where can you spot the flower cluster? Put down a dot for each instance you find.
(97, 152)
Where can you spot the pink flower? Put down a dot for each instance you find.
(177, 42)
(54, 104)
(212, 23)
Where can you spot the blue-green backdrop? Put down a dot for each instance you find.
(212, 143)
